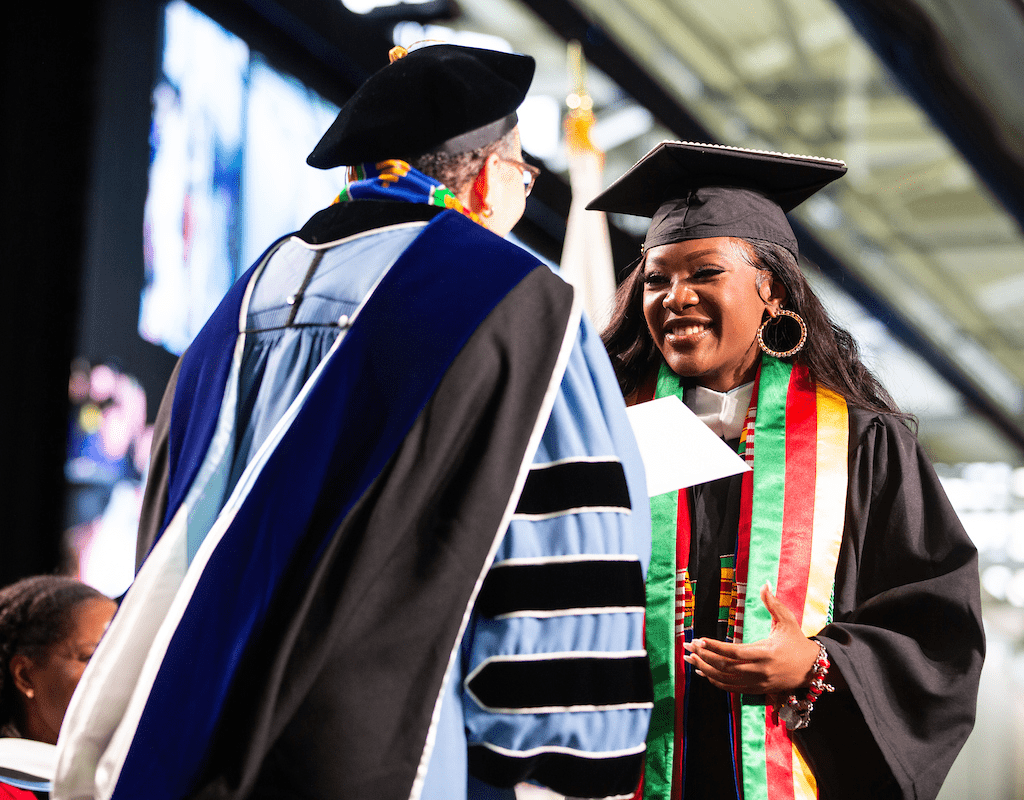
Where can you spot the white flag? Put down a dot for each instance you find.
(587, 251)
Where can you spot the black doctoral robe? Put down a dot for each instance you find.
(907, 636)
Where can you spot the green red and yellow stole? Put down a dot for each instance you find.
(792, 511)
(396, 180)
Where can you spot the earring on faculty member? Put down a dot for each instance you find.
(771, 328)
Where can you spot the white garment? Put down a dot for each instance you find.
(27, 764)
(723, 412)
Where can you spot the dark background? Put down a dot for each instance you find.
(76, 105)
(76, 89)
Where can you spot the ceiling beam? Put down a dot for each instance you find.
(600, 49)
(916, 53)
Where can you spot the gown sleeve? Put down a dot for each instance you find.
(553, 684)
(907, 636)
(154, 505)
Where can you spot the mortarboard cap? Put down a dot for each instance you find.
(698, 191)
(438, 97)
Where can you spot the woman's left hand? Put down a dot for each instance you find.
(780, 664)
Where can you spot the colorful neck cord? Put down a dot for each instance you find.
(396, 180)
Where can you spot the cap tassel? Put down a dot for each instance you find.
(398, 51)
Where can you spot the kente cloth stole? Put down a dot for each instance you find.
(792, 510)
(396, 180)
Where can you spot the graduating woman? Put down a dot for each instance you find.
(834, 577)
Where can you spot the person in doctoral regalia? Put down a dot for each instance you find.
(833, 578)
(396, 527)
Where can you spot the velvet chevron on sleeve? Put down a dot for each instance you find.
(556, 683)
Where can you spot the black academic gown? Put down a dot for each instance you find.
(907, 634)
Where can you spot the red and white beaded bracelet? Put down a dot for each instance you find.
(796, 713)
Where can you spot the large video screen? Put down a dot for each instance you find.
(227, 171)
(227, 176)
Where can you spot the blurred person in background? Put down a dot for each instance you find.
(108, 452)
(49, 628)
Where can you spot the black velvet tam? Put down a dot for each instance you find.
(438, 97)
(699, 191)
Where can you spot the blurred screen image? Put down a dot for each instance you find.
(227, 176)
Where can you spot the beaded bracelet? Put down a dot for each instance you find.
(797, 713)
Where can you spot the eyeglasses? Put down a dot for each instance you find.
(530, 173)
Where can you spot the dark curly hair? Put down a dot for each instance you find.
(34, 614)
(458, 170)
(831, 354)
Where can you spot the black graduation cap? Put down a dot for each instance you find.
(438, 97)
(698, 191)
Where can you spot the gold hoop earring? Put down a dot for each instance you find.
(487, 212)
(774, 320)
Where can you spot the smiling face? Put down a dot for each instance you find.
(703, 302)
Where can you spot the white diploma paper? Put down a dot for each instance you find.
(677, 448)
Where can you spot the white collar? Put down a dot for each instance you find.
(30, 763)
(723, 412)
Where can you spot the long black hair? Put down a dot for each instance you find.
(35, 613)
(830, 353)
